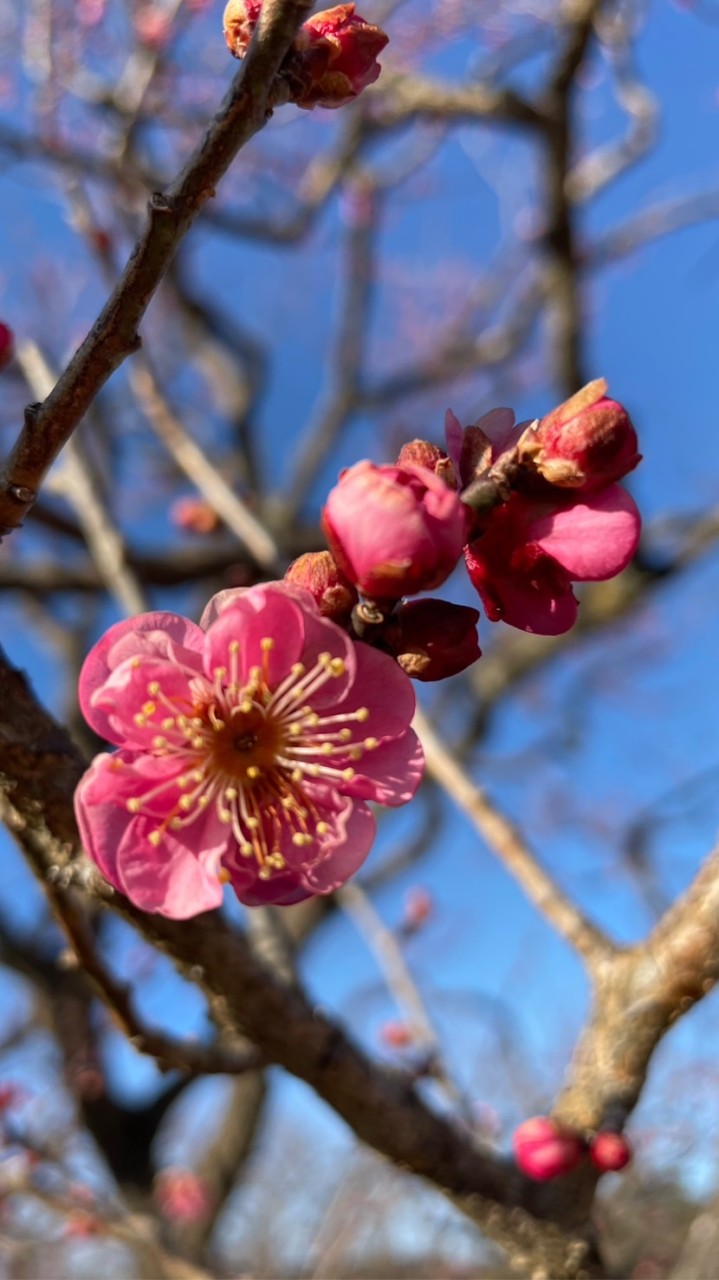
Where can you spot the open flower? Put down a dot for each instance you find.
(249, 745)
(524, 564)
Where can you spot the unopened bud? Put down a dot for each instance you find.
(318, 573)
(420, 453)
(586, 443)
(7, 345)
(195, 515)
(396, 1035)
(610, 1152)
(336, 57)
(239, 21)
(545, 1150)
(434, 639)
(394, 531)
(418, 907)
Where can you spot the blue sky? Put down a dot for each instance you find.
(629, 716)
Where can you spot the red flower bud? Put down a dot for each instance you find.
(545, 1150)
(238, 22)
(396, 1035)
(418, 907)
(394, 531)
(7, 345)
(609, 1152)
(195, 515)
(434, 639)
(317, 572)
(333, 56)
(586, 443)
(337, 57)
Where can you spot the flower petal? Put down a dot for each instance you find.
(594, 539)
(249, 620)
(163, 636)
(174, 878)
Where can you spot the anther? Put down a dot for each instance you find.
(267, 643)
(301, 839)
(153, 688)
(223, 875)
(134, 805)
(253, 773)
(155, 838)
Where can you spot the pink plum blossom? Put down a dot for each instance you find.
(394, 531)
(248, 747)
(524, 565)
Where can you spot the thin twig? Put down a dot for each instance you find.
(402, 987)
(75, 481)
(195, 464)
(505, 841)
(114, 337)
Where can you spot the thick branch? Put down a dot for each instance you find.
(114, 336)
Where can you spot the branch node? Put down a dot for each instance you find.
(160, 203)
(21, 493)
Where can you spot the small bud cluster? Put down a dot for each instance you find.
(531, 507)
(332, 59)
(545, 1149)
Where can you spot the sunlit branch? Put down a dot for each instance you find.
(504, 839)
(170, 215)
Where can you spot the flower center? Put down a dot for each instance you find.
(251, 751)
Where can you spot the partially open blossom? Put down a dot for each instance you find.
(337, 53)
(586, 443)
(318, 573)
(249, 745)
(545, 1150)
(333, 56)
(394, 531)
(524, 564)
(434, 639)
(181, 1195)
(7, 345)
(609, 1151)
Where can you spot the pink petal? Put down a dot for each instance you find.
(177, 878)
(345, 858)
(390, 774)
(324, 636)
(538, 611)
(593, 539)
(382, 687)
(125, 694)
(164, 636)
(250, 619)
